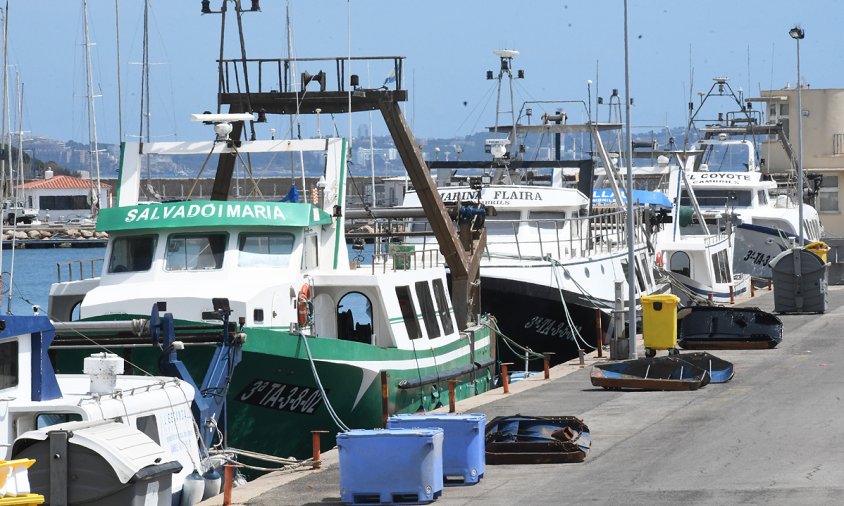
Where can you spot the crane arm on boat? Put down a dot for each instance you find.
(210, 399)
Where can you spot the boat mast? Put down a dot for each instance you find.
(144, 119)
(119, 87)
(3, 187)
(19, 87)
(94, 160)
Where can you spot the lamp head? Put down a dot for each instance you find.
(797, 33)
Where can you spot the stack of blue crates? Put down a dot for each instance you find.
(392, 466)
(464, 458)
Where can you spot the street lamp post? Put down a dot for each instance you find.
(797, 34)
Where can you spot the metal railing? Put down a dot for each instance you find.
(76, 269)
(564, 239)
(279, 72)
(409, 260)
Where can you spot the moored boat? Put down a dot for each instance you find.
(325, 339)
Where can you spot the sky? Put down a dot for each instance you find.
(448, 45)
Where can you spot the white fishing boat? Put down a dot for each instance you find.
(552, 259)
(727, 180)
(329, 345)
(695, 248)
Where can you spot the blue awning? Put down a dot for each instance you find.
(640, 197)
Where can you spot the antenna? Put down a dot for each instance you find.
(506, 56)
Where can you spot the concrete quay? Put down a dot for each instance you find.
(773, 435)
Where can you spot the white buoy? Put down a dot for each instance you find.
(213, 482)
(192, 489)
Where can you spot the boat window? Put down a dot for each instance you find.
(423, 293)
(442, 306)
(718, 198)
(8, 364)
(354, 318)
(408, 312)
(680, 264)
(504, 223)
(721, 267)
(264, 250)
(727, 157)
(762, 196)
(149, 426)
(547, 219)
(131, 254)
(195, 252)
(47, 419)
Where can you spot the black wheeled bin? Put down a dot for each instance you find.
(800, 282)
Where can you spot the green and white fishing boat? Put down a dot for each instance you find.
(329, 344)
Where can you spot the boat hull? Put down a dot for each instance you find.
(656, 373)
(274, 401)
(534, 316)
(756, 246)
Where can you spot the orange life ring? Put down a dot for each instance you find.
(303, 304)
(659, 259)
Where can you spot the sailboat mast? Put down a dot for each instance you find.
(94, 161)
(3, 187)
(9, 193)
(19, 88)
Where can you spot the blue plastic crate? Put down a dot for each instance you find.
(464, 458)
(391, 466)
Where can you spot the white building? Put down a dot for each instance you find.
(62, 197)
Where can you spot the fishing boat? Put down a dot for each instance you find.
(553, 256)
(130, 430)
(329, 344)
(729, 178)
(695, 248)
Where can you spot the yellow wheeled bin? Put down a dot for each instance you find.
(659, 323)
(819, 248)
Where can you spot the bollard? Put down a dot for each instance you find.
(505, 378)
(732, 294)
(452, 384)
(599, 331)
(547, 364)
(581, 354)
(315, 436)
(228, 478)
(385, 399)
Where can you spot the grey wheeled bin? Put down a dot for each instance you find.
(800, 282)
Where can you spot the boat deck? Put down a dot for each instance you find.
(772, 435)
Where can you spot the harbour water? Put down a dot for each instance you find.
(35, 270)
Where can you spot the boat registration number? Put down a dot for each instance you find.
(281, 396)
(757, 257)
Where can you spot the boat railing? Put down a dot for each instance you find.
(78, 270)
(563, 239)
(404, 257)
(275, 75)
